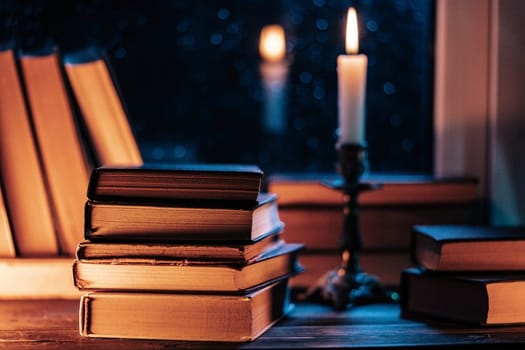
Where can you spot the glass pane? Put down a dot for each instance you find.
(189, 72)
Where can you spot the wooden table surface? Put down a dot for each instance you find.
(53, 324)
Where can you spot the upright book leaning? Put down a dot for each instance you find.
(23, 180)
(102, 108)
(63, 150)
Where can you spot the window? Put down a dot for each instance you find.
(189, 74)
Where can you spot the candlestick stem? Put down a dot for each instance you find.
(348, 283)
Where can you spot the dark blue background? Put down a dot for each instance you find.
(188, 71)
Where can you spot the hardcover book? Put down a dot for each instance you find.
(183, 275)
(172, 182)
(189, 317)
(102, 108)
(468, 247)
(23, 180)
(205, 251)
(123, 221)
(64, 158)
(494, 298)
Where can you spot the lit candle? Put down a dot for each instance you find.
(274, 72)
(351, 77)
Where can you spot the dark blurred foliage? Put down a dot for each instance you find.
(189, 74)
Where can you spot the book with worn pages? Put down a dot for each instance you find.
(212, 252)
(189, 317)
(468, 247)
(183, 275)
(197, 221)
(172, 182)
(494, 298)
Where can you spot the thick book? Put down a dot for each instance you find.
(468, 247)
(22, 176)
(102, 108)
(155, 222)
(188, 317)
(477, 298)
(172, 182)
(183, 275)
(65, 163)
(212, 252)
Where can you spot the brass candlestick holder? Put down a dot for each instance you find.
(348, 283)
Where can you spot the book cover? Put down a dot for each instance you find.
(23, 179)
(171, 182)
(155, 222)
(205, 251)
(183, 275)
(7, 242)
(65, 163)
(189, 317)
(485, 299)
(102, 108)
(468, 247)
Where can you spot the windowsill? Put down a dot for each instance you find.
(296, 189)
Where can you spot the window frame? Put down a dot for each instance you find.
(478, 106)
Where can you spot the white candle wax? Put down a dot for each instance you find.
(351, 79)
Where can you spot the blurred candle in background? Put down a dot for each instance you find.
(274, 73)
(351, 77)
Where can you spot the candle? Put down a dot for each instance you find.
(274, 72)
(351, 78)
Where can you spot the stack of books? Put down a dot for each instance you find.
(182, 253)
(464, 273)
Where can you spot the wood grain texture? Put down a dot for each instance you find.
(54, 325)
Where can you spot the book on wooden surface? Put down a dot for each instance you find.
(184, 275)
(37, 278)
(102, 108)
(64, 160)
(468, 247)
(23, 179)
(122, 221)
(318, 189)
(7, 242)
(189, 317)
(176, 182)
(494, 298)
(232, 252)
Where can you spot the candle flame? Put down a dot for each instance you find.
(271, 45)
(352, 41)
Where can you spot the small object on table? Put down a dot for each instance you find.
(348, 284)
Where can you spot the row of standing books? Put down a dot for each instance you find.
(183, 253)
(60, 117)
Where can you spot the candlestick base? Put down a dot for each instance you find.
(341, 288)
(347, 284)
